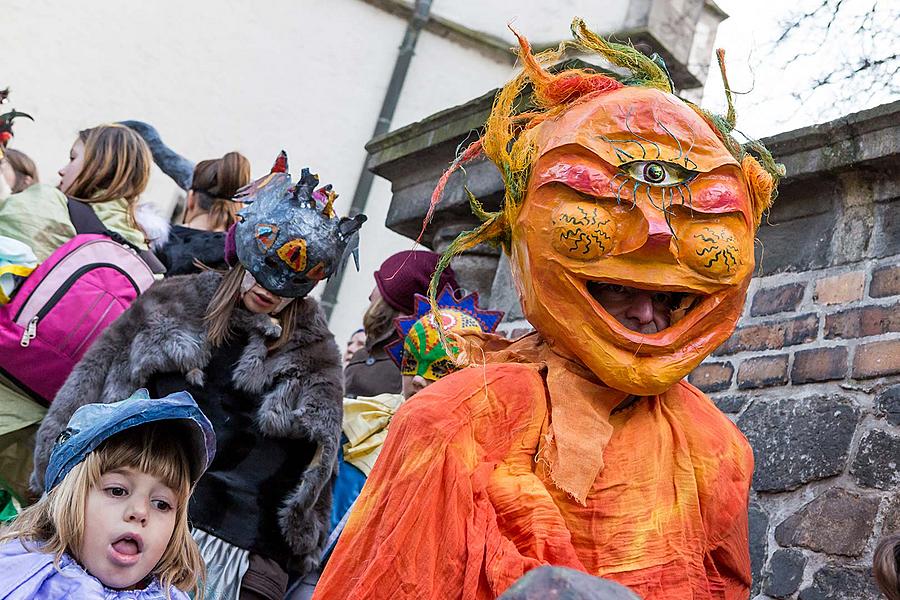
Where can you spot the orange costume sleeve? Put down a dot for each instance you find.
(460, 503)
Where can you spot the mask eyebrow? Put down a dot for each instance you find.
(581, 178)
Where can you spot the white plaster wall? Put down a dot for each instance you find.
(541, 21)
(442, 74)
(213, 76)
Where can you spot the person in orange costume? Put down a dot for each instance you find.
(629, 218)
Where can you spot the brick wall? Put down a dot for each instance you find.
(811, 375)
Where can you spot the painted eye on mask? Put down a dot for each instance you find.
(657, 173)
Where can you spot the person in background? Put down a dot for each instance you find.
(115, 514)
(356, 342)
(209, 212)
(18, 169)
(886, 566)
(108, 168)
(371, 371)
(255, 351)
(10, 181)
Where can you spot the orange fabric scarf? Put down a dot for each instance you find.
(480, 478)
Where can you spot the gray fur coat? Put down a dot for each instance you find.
(299, 385)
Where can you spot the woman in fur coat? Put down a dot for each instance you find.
(258, 357)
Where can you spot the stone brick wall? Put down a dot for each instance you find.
(811, 375)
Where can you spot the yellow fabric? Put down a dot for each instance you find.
(365, 424)
(39, 217)
(19, 270)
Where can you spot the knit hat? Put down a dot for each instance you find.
(408, 273)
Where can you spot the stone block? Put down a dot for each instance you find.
(891, 513)
(730, 404)
(503, 292)
(837, 522)
(877, 359)
(759, 545)
(887, 229)
(819, 364)
(796, 441)
(840, 289)
(784, 574)
(712, 377)
(877, 459)
(885, 282)
(563, 583)
(888, 404)
(772, 335)
(863, 322)
(799, 245)
(852, 234)
(775, 300)
(841, 583)
(763, 371)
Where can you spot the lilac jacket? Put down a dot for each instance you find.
(31, 575)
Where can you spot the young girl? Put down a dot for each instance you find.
(108, 168)
(257, 355)
(113, 523)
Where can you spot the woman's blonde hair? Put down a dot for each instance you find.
(116, 165)
(223, 303)
(215, 182)
(56, 522)
(23, 167)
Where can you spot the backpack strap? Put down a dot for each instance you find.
(86, 220)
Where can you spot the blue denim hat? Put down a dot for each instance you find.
(92, 424)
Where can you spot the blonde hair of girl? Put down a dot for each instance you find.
(56, 522)
(116, 165)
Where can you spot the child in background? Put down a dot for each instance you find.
(113, 523)
(19, 170)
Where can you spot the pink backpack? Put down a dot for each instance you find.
(63, 306)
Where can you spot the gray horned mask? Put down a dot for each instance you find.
(288, 237)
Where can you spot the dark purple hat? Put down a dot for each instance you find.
(408, 273)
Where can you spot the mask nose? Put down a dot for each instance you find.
(659, 234)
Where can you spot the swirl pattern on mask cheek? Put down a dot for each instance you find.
(582, 230)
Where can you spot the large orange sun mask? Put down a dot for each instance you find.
(632, 193)
(629, 220)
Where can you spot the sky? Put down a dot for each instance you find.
(770, 76)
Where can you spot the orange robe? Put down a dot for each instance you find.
(467, 494)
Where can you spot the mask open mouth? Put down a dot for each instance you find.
(674, 311)
(663, 308)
